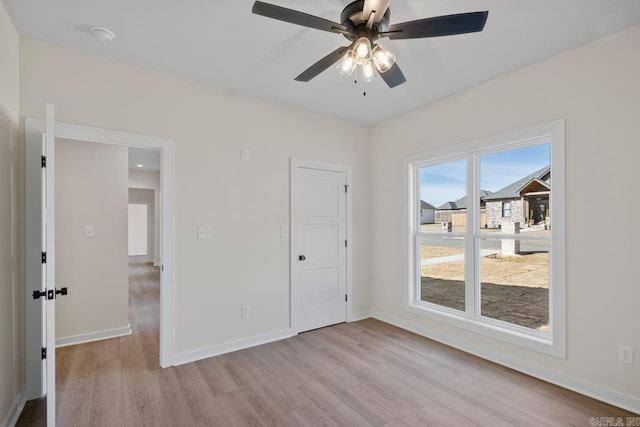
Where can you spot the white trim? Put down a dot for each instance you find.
(360, 316)
(216, 350)
(520, 136)
(553, 342)
(13, 415)
(167, 226)
(293, 227)
(600, 393)
(93, 336)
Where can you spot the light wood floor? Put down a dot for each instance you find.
(359, 374)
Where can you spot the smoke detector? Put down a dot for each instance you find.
(103, 35)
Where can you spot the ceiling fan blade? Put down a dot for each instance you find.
(377, 6)
(294, 17)
(323, 64)
(447, 25)
(393, 77)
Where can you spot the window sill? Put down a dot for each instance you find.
(523, 337)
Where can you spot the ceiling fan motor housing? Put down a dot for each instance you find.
(358, 29)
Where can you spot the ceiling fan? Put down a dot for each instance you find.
(363, 22)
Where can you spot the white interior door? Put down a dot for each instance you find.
(319, 279)
(48, 214)
(40, 262)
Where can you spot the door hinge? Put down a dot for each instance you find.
(43, 354)
(345, 243)
(346, 188)
(162, 267)
(346, 297)
(44, 257)
(44, 161)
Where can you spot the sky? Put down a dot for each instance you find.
(447, 182)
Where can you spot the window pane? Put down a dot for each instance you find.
(443, 197)
(514, 286)
(442, 272)
(516, 187)
(506, 209)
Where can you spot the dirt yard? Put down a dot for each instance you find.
(514, 289)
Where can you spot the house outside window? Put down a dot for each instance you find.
(506, 209)
(488, 275)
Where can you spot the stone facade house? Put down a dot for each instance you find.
(522, 200)
(526, 199)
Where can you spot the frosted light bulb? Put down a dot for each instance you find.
(383, 59)
(347, 64)
(368, 73)
(363, 48)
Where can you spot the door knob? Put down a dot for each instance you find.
(302, 257)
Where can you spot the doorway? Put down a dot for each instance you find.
(320, 251)
(34, 129)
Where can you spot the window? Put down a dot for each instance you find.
(506, 209)
(484, 265)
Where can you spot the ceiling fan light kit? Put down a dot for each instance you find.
(363, 22)
(363, 58)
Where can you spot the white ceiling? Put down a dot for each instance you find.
(222, 43)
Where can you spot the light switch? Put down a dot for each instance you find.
(89, 231)
(204, 232)
(284, 231)
(244, 154)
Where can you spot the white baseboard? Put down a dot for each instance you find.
(11, 418)
(612, 397)
(93, 336)
(216, 350)
(360, 316)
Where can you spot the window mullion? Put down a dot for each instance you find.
(471, 262)
(417, 234)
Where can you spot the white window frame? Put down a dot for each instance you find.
(552, 342)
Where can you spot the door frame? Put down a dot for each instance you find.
(167, 217)
(295, 165)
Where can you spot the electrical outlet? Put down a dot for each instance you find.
(625, 354)
(244, 311)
